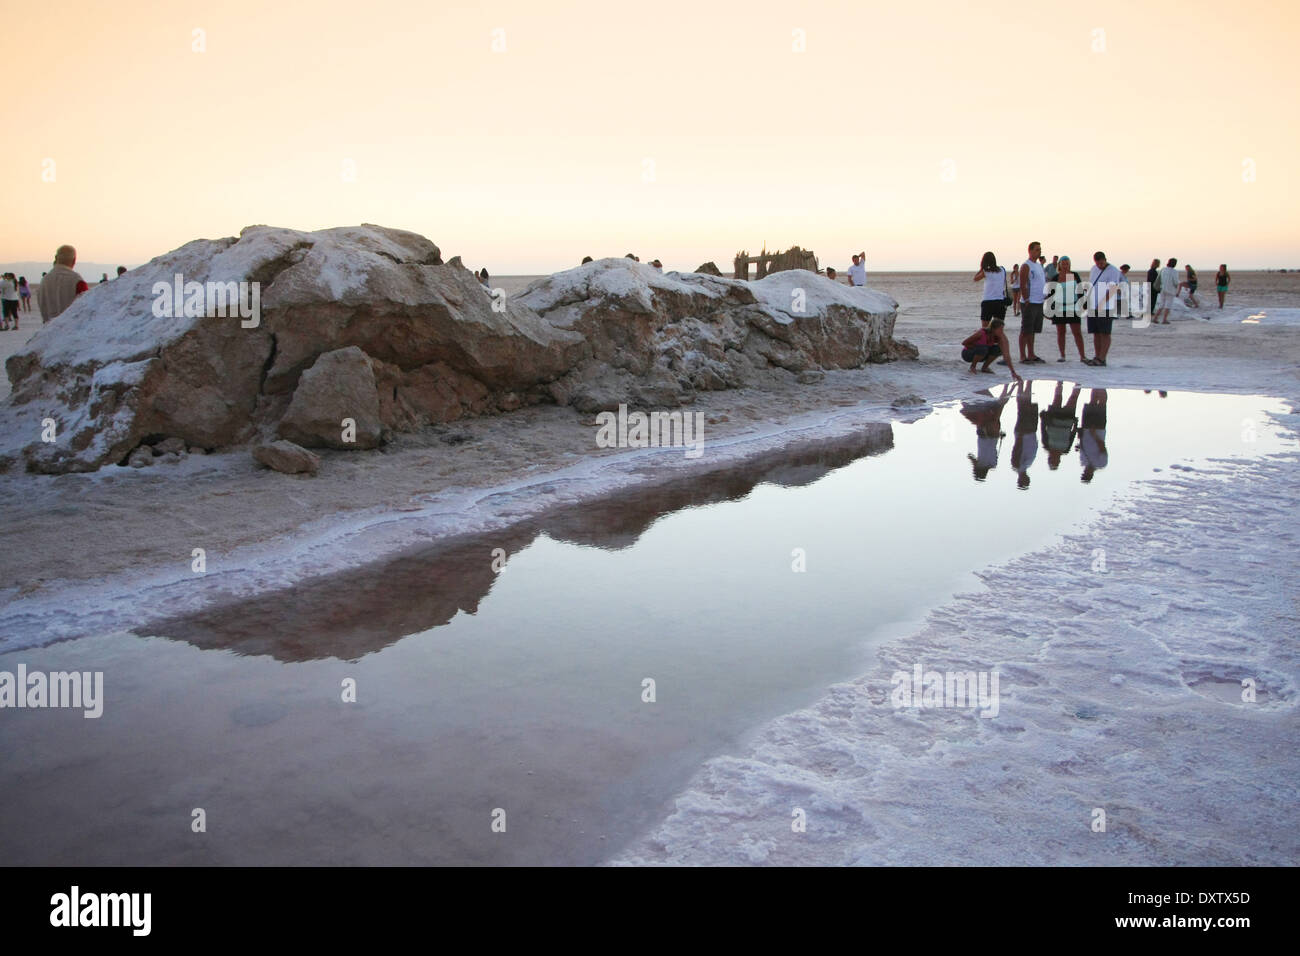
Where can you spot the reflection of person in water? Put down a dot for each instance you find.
(1060, 425)
(1092, 440)
(987, 419)
(1025, 449)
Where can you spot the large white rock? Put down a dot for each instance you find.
(114, 370)
(656, 338)
(410, 341)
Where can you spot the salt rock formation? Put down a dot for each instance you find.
(285, 456)
(339, 337)
(339, 388)
(709, 269)
(657, 338)
(127, 363)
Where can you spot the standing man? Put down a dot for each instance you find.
(1168, 280)
(60, 286)
(1103, 302)
(1033, 282)
(1051, 269)
(858, 271)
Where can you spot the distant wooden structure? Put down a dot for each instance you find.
(769, 262)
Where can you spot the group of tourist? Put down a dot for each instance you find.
(1036, 284)
(1166, 286)
(56, 291)
(15, 298)
(1057, 427)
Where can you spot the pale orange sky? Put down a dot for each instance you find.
(528, 159)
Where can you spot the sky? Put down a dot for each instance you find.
(523, 136)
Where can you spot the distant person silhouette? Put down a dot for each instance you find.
(1190, 285)
(1153, 286)
(11, 300)
(1221, 280)
(121, 271)
(1169, 289)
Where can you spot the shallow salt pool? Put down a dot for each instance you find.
(524, 690)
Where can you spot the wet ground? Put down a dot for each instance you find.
(505, 677)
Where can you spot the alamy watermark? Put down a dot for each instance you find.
(82, 690)
(195, 300)
(651, 430)
(1117, 300)
(129, 910)
(926, 689)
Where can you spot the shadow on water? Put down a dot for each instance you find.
(350, 614)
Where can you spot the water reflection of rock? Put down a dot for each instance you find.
(348, 615)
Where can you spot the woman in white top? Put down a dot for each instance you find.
(994, 303)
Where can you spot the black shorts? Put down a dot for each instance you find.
(975, 352)
(1094, 416)
(1100, 324)
(1031, 318)
(1065, 320)
(10, 310)
(992, 309)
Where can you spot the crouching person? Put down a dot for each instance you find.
(987, 345)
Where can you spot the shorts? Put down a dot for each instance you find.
(1100, 324)
(1166, 300)
(992, 309)
(1094, 416)
(975, 352)
(1066, 320)
(1220, 288)
(1031, 318)
(1191, 287)
(10, 310)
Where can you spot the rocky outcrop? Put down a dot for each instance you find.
(709, 269)
(656, 338)
(335, 404)
(287, 458)
(338, 338)
(130, 360)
